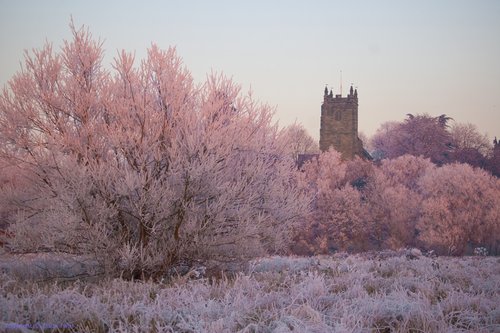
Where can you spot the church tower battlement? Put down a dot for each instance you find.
(339, 124)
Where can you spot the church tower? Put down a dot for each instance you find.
(339, 124)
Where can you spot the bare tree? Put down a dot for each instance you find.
(295, 140)
(470, 146)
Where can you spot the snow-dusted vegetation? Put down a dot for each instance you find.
(134, 200)
(384, 292)
(404, 202)
(139, 166)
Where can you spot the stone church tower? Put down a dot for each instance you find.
(339, 125)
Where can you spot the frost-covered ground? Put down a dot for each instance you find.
(362, 293)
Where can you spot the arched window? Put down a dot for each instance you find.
(337, 115)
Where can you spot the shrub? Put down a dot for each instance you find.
(139, 166)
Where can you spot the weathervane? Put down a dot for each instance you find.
(340, 82)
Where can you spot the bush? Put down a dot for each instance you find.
(139, 166)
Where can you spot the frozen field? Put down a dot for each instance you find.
(379, 292)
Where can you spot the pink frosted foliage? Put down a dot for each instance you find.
(405, 170)
(394, 201)
(405, 202)
(337, 219)
(420, 135)
(139, 165)
(461, 206)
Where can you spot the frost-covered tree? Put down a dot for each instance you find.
(395, 201)
(420, 135)
(470, 146)
(138, 165)
(461, 207)
(295, 140)
(337, 220)
(467, 136)
(359, 173)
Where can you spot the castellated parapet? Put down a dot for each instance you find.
(339, 124)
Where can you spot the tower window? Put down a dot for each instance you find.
(337, 115)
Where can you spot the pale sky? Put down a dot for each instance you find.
(404, 57)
